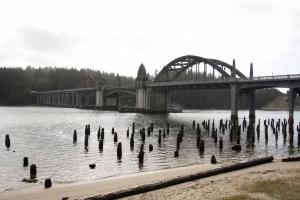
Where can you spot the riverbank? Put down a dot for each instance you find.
(227, 185)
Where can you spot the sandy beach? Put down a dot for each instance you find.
(233, 185)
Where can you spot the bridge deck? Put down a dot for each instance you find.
(268, 81)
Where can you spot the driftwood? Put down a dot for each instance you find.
(181, 179)
(291, 159)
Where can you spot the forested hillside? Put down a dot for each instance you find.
(16, 84)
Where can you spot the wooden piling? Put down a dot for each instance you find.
(131, 142)
(100, 146)
(33, 171)
(7, 141)
(25, 161)
(119, 150)
(159, 136)
(213, 159)
(150, 147)
(115, 137)
(74, 136)
(221, 143)
(99, 133)
(102, 134)
(86, 141)
(176, 154)
(201, 145)
(48, 183)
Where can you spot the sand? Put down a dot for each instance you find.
(217, 187)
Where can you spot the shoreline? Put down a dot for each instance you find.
(80, 190)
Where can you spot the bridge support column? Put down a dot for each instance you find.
(234, 107)
(142, 99)
(78, 99)
(251, 97)
(291, 97)
(100, 98)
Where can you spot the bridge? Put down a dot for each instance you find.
(186, 72)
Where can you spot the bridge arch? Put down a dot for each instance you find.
(180, 65)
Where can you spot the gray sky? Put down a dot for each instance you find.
(117, 36)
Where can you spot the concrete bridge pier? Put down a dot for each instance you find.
(78, 99)
(100, 101)
(234, 106)
(251, 97)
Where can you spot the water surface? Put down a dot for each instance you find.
(45, 135)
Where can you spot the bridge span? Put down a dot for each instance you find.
(186, 72)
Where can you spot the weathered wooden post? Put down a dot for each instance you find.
(74, 136)
(152, 127)
(115, 137)
(216, 136)
(266, 134)
(99, 133)
(159, 137)
(119, 150)
(176, 153)
(150, 147)
(141, 154)
(100, 145)
(182, 129)
(143, 135)
(7, 141)
(194, 123)
(127, 133)
(86, 141)
(221, 143)
(113, 130)
(198, 130)
(102, 134)
(164, 133)
(201, 146)
(131, 142)
(148, 131)
(168, 128)
(213, 159)
(33, 171)
(48, 183)
(92, 166)
(133, 127)
(213, 129)
(25, 161)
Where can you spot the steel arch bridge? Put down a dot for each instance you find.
(180, 65)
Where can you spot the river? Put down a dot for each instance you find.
(45, 135)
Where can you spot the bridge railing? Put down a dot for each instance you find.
(276, 77)
(231, 79)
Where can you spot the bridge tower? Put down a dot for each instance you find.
(234, 93)
(149, 99)
(142, 95)
(251, 97)
(100, 96)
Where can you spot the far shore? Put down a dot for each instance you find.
(216, 183)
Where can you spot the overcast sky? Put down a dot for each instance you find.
(117, 36)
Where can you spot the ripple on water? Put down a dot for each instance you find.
(45, 135)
